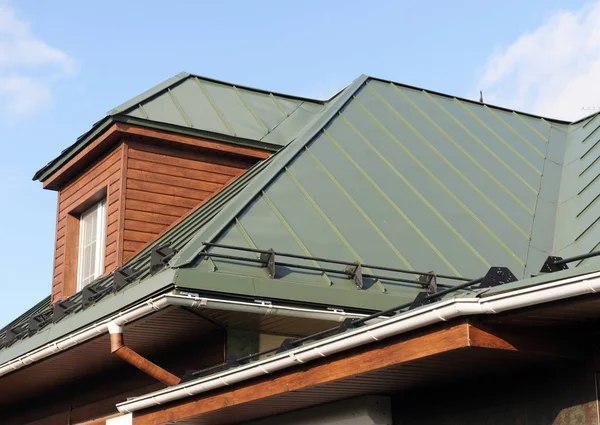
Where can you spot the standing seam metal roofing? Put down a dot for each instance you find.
(395, 175)
(398, 176)
(204, 107)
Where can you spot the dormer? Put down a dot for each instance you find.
(150, 162)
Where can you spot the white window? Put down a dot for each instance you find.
(91, 244)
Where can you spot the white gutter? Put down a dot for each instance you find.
(418, 318)
(158, 303)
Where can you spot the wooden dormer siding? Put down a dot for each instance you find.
(149, 180)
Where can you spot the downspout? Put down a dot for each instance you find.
(118, 348)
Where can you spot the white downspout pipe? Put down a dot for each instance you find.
(414, 319)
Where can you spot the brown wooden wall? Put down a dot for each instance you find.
(101, 180)
(149, 185)
(164, 183)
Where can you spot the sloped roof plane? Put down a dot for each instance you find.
(204, 107)
(400, 176)
(384, 174)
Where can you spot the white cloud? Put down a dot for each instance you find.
(28, 66)
(553, 70)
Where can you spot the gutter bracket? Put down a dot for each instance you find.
(497, 276)
(287, 344)
(268, 260)
(229, 364)
(354, 272)
(121, 278)
(550, 266)
(421, 299)
(160, 256)
(348, 323)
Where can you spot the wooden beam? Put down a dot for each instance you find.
(369, 358)
(337, 367)
(192, 141)
(94, 149)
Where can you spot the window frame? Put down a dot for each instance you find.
(99, 208)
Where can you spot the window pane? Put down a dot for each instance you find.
(91, 245)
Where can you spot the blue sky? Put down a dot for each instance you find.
(63, 64)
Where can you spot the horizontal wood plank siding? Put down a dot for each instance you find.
(104, 175)
(148, 185)
(164, 183)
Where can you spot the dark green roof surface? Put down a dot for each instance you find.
(390, 175)
(200, 106)
(403, 177)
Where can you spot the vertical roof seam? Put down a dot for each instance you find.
(467, 154)
(445, 160)
(332, 226)
(497, 136)
(515, 132)
(441, 185)
(483, 145)
(392, 204)
(179, 108)
(258, 120)
(244, 233)
(214, 106)
(254, 188)
(288, 227)
(418, 194)
(532, 128)
(358, 208)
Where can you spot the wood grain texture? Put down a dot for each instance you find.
(148, 186)
(101, 180)
(366, 359)
(164, 183)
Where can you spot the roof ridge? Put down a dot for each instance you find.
(153, 91)
(182, 76)
(464, 99)
(213, 229)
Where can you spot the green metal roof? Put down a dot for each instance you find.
(401, 177)
(396, 176)
(204, 107)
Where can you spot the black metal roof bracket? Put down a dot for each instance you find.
(12, 334)
(429, 282)
(556, 264)
(355, 273)
(268, 260)
(497, 276)
(39, 321)
(92, 293)
(160, 256)
(61, 309)
(348, 323)
(288, 344)
(121, 278)
(551, 266)
(422, 298)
